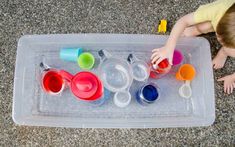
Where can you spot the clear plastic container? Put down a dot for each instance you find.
(31, 106)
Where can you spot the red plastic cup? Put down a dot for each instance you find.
(160, 70)
(163, 64)
(84, 85)
(52, 82)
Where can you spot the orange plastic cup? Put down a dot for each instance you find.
(186, 72)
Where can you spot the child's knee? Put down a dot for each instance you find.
(204, 28)
(190, 31)
(230, 52)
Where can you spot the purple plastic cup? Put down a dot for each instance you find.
(177, 57)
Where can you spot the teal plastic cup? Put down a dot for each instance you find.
(70, 54)
(86, 61)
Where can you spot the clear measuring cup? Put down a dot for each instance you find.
(141, 69)
(117, 76)
(115, 73)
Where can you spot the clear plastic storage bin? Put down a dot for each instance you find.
(31, 106)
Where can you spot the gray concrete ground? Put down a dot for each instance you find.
(18, 18)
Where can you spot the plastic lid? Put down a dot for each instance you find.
(85, 85)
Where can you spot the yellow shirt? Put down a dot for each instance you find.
(212, 12)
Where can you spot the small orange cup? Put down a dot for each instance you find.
(186, 72)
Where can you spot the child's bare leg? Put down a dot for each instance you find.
(198, 29)
(219, 60)
(230, 52)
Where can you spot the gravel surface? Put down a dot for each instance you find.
(18, 18)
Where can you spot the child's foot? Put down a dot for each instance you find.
(220, 58)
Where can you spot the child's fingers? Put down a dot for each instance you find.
(228, 89)
(155, 59)
(159, 60)
(233, 84)
(214, 66)
(170, 61)
(156, 50)
(231, 88)
(155, 55)
(225, 88)
(220, 79)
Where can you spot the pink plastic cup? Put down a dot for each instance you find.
(177, 57)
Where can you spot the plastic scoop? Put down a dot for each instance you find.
(186, 73)
(86, 61)
(122, 98)
(185, 90)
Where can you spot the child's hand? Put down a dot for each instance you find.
(160, 54)
(229, 83)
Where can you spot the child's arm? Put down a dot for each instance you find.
(167, 50)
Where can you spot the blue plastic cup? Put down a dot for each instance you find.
(147, 94)
(70, 54)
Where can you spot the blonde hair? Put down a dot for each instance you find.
(226, 28)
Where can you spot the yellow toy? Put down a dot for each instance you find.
(162, 27)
